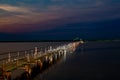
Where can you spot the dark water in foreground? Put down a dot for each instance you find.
(91, 61)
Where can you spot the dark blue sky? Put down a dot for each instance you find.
(59, 19)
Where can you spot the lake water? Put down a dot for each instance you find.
(91, 61)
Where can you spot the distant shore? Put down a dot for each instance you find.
(104, 40)
(98, 40)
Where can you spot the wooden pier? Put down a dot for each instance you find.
(25, 65)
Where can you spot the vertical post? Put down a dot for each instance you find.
(35, 53)
(32, 53)
(18, 54)
(17, 63)
(65, 51)
(25, 53)
(59, 52)
(50, 48)
(3, 66)
(45, 51)
(9, 57)
(65, 54)
(28, 58)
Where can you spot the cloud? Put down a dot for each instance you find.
(38, 18)
(10, 8)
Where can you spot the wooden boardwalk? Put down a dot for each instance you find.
(24, 65)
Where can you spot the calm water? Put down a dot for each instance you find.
(91, 61)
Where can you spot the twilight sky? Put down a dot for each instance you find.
(59, 19)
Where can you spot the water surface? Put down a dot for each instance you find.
(91, 61)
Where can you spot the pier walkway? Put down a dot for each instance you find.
(25, 65)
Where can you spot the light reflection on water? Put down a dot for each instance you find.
(42, 76)
(65, 56)
(91, 61)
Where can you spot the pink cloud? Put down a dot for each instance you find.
(53, 17)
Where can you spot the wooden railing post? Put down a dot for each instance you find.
(9, 57)
(3, 66)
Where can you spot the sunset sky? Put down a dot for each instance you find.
(59, 19)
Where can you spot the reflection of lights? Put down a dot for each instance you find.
(46, 58)
(38, 60)
(50, 59)
(15, 59)
(55, 56)
(64, 55)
